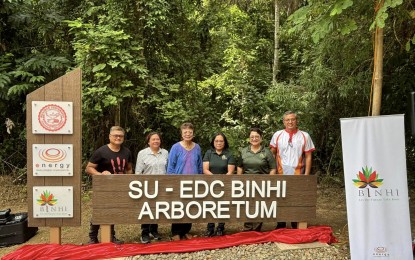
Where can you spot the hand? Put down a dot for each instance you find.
(105, 173)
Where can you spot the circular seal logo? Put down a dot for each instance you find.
(52, 117)
(52, 154)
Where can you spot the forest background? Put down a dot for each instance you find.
(224, 65)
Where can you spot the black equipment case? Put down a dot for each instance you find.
(15, 229)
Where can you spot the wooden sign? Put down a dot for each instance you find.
(53, 118)
(128, 199)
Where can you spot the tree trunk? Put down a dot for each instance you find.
(117, 116)
(276, 30)
(377, 70)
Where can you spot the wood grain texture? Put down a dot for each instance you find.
(113, 205)
(66, 88)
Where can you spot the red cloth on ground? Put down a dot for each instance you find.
(322, 234)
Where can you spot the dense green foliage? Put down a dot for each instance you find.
(154, 64)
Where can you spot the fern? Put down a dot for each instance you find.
(20, 89)
(4, 80)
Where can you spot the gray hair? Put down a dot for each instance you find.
(289, 112)
(117, 128)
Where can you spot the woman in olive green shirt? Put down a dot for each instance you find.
(255, 159)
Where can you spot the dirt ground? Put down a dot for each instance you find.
(331, 211)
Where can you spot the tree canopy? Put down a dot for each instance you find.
(154, 64)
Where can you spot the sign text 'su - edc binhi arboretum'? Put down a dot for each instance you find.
(122, 199)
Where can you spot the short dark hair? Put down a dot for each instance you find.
(256, 129)
(224, 139)
(151, 134)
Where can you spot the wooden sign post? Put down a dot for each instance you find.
(133, 199)
(54, 149)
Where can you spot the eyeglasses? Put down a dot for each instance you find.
(290, 120)
(117, 136)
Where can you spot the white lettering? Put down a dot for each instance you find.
(198, 211)
(248, 213)
(212, 187)
(162, 207)
(209, 206)
(270, 212)
(145, 210)
(135, 186)
(183, 189)
(223, 207)
(146, 190)
(177, 210)
(256, 188)
(238, 207)
(237, 189)
(204, 185)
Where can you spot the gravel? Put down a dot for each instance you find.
(258, 251)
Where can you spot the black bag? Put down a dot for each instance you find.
(5, 216)
(16, 231)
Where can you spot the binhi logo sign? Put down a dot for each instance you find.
(368, 183)
(53, 202)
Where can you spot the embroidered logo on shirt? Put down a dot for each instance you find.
(224, 157)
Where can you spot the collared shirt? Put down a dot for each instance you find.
(218, 163)
(150, 163)
(261, 162)
(291, 147)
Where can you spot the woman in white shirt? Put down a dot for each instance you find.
(151, 160)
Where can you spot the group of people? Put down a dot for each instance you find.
(289, 152)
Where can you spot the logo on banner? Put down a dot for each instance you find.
(368, 182)
(367, 177)
(52, 117)
(380, 251)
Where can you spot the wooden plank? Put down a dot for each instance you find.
(105, 233)
(66, 88)
(302, 225)
(36, 95)
(53, 92)
(71, 91)
(117, 207)
(55, 235)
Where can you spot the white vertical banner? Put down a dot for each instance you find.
(374, 164)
